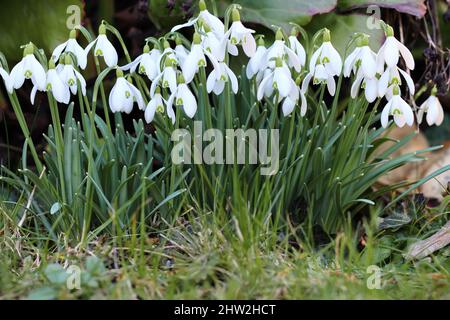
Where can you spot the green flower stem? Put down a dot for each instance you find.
(59, 143)
(103, 95)
(23, 125)
(207, 106)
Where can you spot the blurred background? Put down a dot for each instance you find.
(422, 25)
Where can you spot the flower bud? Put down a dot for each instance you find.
(326, 35)
(202, 5)
(73, 34)
(279, 34)
(51, 64)
(235, 15)
(102, 29)
(29, 49)
(196, 39)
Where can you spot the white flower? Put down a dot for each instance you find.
(256, 63)
(147, 63)
(324, 65)
(391, 77)
(213, 44)
(390, 51)
(181, 52)
(183, 97)
(204, 16)
(70, 76)
(168, 78)
(297, 47)
(195, 59)
(218, 77)
(279, 79)
(240, 35)
(123, 95)
(28, 68)
(156, 104)
(72, 46)
(362, 61)
(433, 108)
(291, 101)
(55, 85)
(399, 109)
(104, 48)
(279, 50)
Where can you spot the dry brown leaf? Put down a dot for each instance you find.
(410, 171)
(436, 187)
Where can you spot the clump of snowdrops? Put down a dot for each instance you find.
(96, 176)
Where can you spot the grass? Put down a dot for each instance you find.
(197, 259)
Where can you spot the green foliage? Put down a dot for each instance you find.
(93, 186)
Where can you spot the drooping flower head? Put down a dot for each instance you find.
(204, 15)
(146, 63)
(433, 108)
(72, 46)
(71, 77)
(183, 97)
(124, 94)
(156, 105)
(362, 62)
(104, 48)
(28, 68)
(280, 50)
(239, 35)
(54, 84)
(399, 109)
(324, 65)
(391, 50)
(257, 62)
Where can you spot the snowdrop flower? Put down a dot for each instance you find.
(399, 109)
(390, 78)
(297, 47)
(194, 60)
(55, 85)
(28, 68)
(362, 61)
(433, 108)
(238, 34)
(180, 51)
(72, 46)
(213, 44)
(146, 63)
(204, 15)
(390, 51)
(69, 76)
(279, 50)
(156, 104)
(279, 79)
(218, 77)
(168, 78)
(324, 65)
(183, 97)
(104, 48)
(256, 63)
(292, 99)
(124, 94)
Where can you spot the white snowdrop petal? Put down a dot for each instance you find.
(58, 50)
(385, 114)
(406, 54)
